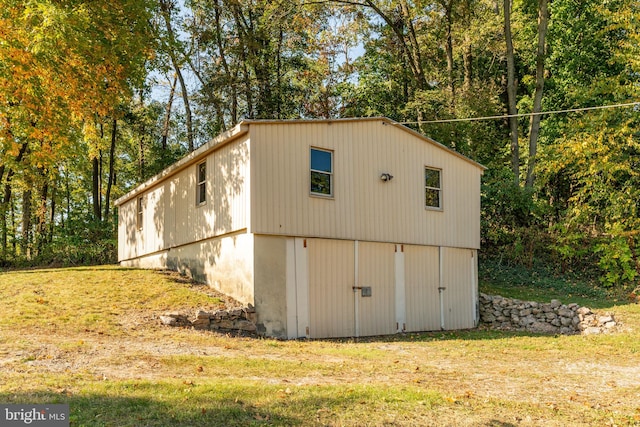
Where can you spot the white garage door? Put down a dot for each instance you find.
(346, 288)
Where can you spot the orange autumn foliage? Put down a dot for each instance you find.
(64, 64)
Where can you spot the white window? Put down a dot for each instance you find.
(433, 188)
(321, 172)
(201, 187)
(139, 212)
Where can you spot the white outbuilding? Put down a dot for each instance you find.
(330, 228)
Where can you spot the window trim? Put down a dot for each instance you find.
(438, 189)
(139, 212)
(201, 195)
(330, 173)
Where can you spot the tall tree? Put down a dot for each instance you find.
(172, 48)
(512, 93)
(112, 172)
(534, 127)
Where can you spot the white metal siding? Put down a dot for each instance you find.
(363, 207)
(181, 204)
(127, 230)
(170, 212)
(229, 172)
(171, 216)
(154, 219)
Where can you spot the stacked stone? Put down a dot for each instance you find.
(592, 324)
(551, 318)
(238, 320)
(175, 319)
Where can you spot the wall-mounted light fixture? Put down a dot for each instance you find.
(386, 177)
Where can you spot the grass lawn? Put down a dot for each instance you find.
(90, 337)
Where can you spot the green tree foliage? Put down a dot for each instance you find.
(65, 68)
(261, 59)
(591, 159)
(78, 125)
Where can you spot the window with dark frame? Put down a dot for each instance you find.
(139, 212)
(433, 188)
(321, 172)
(201, 188)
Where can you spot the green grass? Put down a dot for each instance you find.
(88, 337)
(542, 283)
(96, 298)
(238, 403)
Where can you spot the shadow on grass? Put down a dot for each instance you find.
(98, 410)
(496, 423)
(166, 403)
(49, 269)
(465, 335)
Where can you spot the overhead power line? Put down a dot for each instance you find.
(506, 116)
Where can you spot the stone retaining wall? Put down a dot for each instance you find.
(240, 320)
(497, 312)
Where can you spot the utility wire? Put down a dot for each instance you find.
(506, 116)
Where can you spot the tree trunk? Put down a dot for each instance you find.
(231, 79)
(25, 245)
(112, 158)
(467, 57)
(97, 211)
(534, 123)
(6, 200)
(167, 114)
(408, 43)
(3, 214)
(13, 226)
(468, 67)
(278, 97)
(67, 194)
(187, 107)
(52, 218)
(166, 14)
(142, 161)
(448, 8)
(511, 94)
(415, 54)
(258, 56)
(41, 216)
(247, 86)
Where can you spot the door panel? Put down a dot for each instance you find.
(376, 269)
(331, 280)
(458, 297)
(422, 279)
